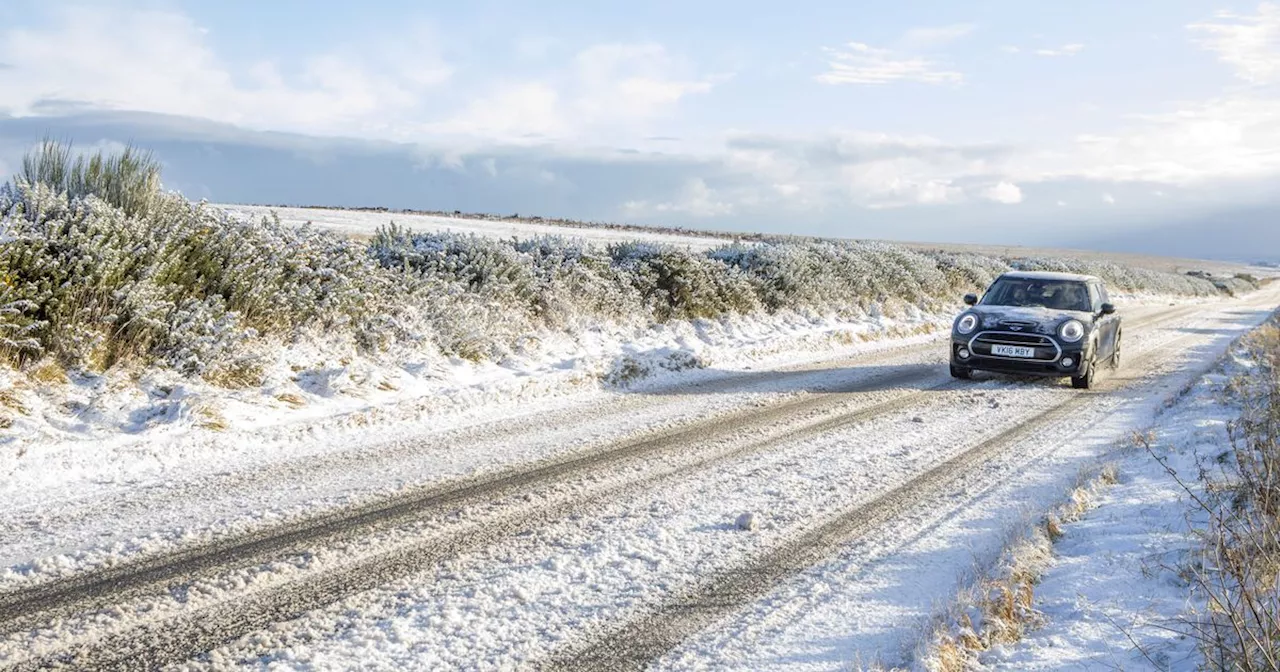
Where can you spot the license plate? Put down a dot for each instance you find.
(1012, 351)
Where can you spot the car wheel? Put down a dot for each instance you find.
(963, 374)
(1084, 381)
(1115, 355)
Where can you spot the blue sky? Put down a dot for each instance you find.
(804, 116)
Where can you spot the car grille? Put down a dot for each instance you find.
(1046, 349)
(1016, 339)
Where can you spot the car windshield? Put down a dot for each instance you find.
(1052, 294)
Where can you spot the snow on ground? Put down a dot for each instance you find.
(169, 481)
(96, 499)
(128, 425)
(365, 223)
(512, 605)
(1112, 597)
(871, 603)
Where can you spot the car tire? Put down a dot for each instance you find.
(1115, 354)
(962, 374)
(1084, 381)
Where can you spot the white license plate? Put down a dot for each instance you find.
(1012, 351)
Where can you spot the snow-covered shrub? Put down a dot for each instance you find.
(185, 284)
(93, 271)
(1126, 278)
(679, 284)
(969, 271)
(129, 180)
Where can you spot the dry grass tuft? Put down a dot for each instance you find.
(1003, 605)
(951, 656)
(9, 399)
(1053, 528)
(292, 399)
(845, 337)
(237, 375)
(387, 386)
(211, 418)
(48, 372)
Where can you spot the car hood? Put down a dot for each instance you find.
(1030, 319)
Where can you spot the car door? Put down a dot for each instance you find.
(1107, 325)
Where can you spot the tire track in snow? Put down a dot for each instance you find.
(166, 641)
(157, 643)
(129, 503)
(654, 632)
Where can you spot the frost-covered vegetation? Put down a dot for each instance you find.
(1238, 499)
(99, 266)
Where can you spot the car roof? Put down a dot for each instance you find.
(1047, 275)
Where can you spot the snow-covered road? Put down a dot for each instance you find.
(596, 531)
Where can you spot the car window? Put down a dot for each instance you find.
(1052, 294)
(1095, 296)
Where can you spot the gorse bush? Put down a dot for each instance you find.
(99, 265)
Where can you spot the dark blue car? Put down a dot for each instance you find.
(1044, 324)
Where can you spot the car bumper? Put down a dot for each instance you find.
(1032, 367)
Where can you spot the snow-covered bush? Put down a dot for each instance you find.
(129, 179)
(185, 284)
(94, 272)
(679, 284)
(1127, 278)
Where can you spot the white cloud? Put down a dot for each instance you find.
(1108, 199)
(1222, 138)
(629, 81)
(1064, 50)
(859, 63)
(160, 61)
(391, 89)
(1232, 137)
(515, 111)
(606, 88)
(697, 200)
(932, 37)
(1248, 43)
(1003, 192)
(871, 170)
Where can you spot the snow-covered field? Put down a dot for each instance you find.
(802, 424)
(364, 223)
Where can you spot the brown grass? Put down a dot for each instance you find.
(237, 375)
(48, 372)
(292, 399)
(9, 399)
(1239, 561)
(211, 418)
(1006, 599)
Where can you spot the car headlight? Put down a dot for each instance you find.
(967, 323)
(1071, 331)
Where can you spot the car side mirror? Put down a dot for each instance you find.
(971, 299)
(1108, 309)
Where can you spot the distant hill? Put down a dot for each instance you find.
(1250, 235)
